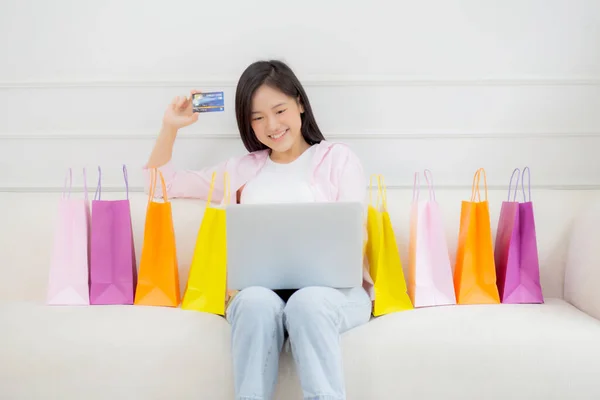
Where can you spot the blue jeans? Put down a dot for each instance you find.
(314, 318)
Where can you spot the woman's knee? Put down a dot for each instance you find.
(256, 303)
(311, 304)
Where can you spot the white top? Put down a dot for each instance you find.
(282, 183)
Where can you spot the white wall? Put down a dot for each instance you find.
(446, 85)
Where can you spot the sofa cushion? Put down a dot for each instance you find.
(488, 351)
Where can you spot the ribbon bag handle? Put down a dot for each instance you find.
(126, 180)
(528, 183)
(382, 192)
(211, 189)
(85, 187)
(429, 181)
(416, 188)
(69, 180)
(417, 185)
(515, 171)
(98, 194)
(475, 191)
(226, 189)
(381, 195)
(378, 198)
(154, 173)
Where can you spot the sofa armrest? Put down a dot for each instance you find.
(582, 272)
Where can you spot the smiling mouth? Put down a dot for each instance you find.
(278, 136)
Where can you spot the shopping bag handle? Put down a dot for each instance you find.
(226, 188)
(69, 179)
(528, 183)
(475, 192)
(98, 193)
(156, 172)
(126, 180)
(515, 171)
(429, 181)
(417, 185)
(381, 191)
(371, 190)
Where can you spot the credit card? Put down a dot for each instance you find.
(208, 102)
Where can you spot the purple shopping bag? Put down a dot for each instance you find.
(515, 253)
(69, 267)
(113, 271)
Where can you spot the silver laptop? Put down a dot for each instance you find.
(291, 246)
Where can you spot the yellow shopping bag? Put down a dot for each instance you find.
(207, 281)
(391, 293)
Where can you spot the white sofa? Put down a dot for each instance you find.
(499, 352)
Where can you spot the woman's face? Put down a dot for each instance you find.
(276, 120)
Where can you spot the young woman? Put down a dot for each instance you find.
(289, 160)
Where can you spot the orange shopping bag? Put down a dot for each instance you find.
(206, 288)
(391, 294)
(475, 272)
(158, 280)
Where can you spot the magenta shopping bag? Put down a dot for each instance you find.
(69, 266)
(515, 252)
(113, 271)
(430, 280)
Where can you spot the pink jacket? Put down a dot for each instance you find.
(337, 175)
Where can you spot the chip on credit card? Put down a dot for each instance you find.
(208, 102)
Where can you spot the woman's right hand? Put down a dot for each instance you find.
(179, 113)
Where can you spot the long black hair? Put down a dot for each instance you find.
(279, 76)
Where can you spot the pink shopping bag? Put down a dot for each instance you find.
(113, 271)
(430, 281)
(69, 266)
(515, 252)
